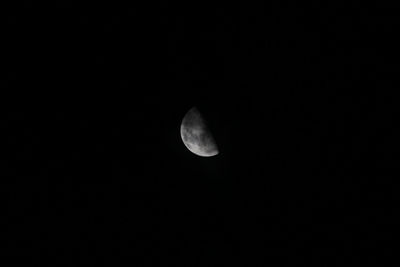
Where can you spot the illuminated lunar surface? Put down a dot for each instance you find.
(196, 135)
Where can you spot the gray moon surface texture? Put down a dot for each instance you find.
(196, 136)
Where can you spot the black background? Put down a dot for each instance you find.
(298, 97)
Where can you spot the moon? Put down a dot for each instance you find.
(196, 136)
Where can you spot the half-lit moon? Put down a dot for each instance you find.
(196, 136)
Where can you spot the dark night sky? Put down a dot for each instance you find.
(298, 98)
